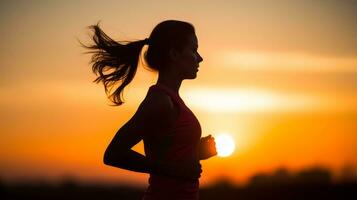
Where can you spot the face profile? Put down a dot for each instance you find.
(189, 59)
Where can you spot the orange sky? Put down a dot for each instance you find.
(279, 76)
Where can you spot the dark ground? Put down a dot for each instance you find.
(315, 183)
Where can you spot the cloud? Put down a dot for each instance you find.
(247, 100)
(285, 61)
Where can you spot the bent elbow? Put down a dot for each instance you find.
(110, 158)
(107, 158)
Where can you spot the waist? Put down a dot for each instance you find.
(163, 188)
(166, 181)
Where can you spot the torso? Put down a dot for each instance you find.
(178, 143)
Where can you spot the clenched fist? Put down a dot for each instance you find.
(207, 147)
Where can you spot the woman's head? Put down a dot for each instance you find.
(171, 44)
(167, 36)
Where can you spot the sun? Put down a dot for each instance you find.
(224, 145)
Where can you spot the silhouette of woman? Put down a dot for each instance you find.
(170, 131)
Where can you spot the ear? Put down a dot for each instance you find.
(174, 54)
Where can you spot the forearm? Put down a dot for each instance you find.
(134, 161)
(131, 160)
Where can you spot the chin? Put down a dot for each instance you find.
(191, 77)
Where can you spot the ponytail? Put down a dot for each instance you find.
(118, 59)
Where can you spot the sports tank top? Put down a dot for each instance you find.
(185, 134)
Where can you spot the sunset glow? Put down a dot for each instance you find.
(224, 144)
(286, 61)
(246, 100)
(277, 86)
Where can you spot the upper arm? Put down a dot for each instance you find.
(154, 115)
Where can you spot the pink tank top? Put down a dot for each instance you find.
(186, 134)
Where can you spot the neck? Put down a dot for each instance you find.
(169, 80)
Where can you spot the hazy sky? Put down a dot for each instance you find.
(276, 75)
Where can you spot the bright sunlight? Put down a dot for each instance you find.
(246, 100)
(224, 145)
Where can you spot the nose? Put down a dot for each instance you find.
(200, 59)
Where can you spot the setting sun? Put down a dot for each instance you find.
(224, 145)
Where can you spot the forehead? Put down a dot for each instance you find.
(193, 41)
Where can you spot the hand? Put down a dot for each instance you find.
(207, 147)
